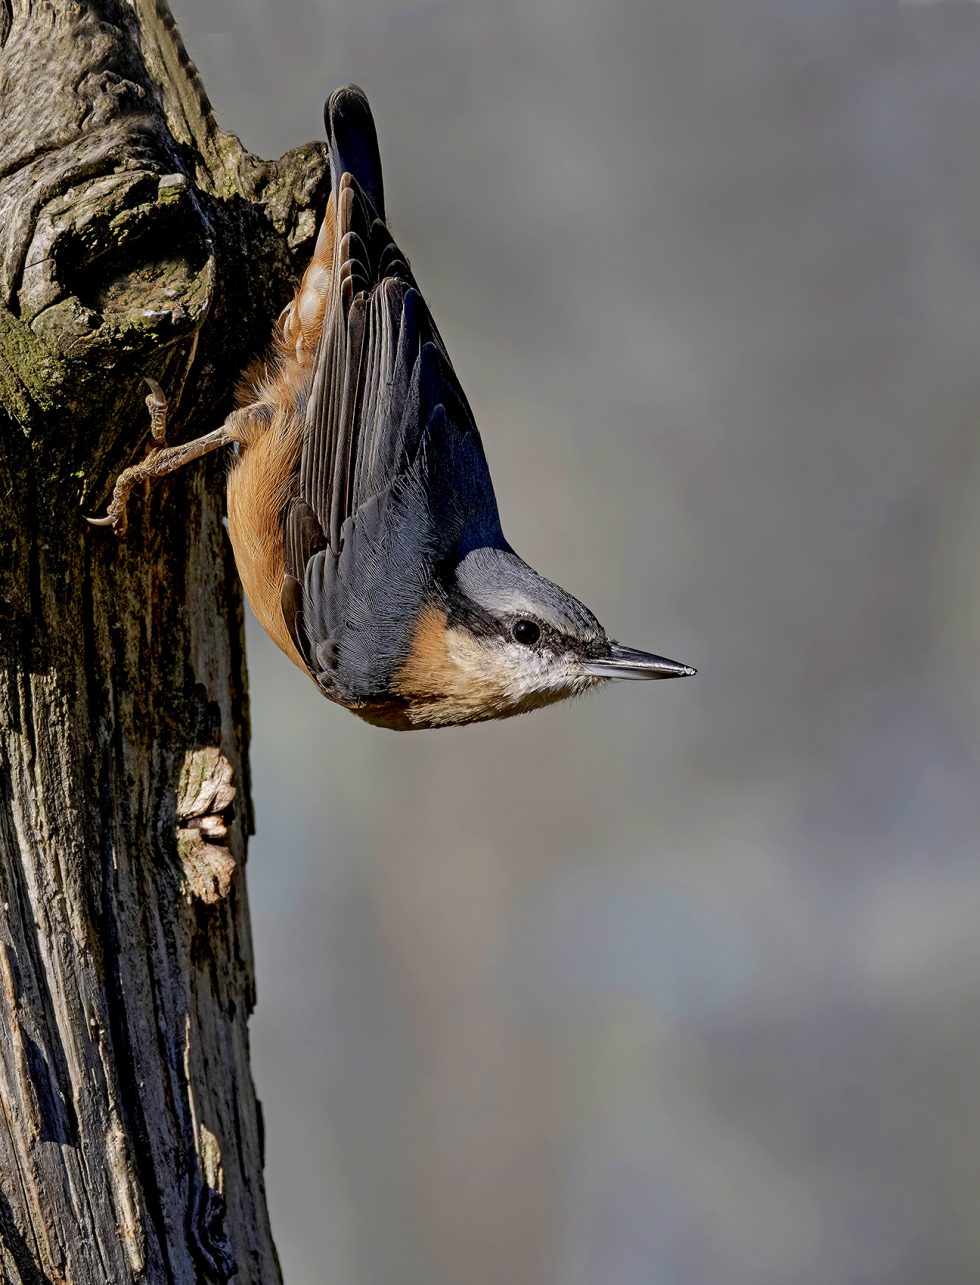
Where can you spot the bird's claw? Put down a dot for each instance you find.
(115, 520)
(156, 404)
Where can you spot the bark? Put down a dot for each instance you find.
(135, 237)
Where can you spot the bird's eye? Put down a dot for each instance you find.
(526, 632)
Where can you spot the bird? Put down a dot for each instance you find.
(361, 510)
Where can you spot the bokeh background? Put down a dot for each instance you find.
(678, 984)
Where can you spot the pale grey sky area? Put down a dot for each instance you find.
(678, 984)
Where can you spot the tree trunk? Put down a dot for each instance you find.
(135, 238)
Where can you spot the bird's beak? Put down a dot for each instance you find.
(624, 662)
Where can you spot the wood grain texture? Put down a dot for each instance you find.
(135, 236)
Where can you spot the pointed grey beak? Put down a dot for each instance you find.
(624, 662)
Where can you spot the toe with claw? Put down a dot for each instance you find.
(156, 404)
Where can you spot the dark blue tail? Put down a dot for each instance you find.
(353, 143)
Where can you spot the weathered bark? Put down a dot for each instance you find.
(135, 237)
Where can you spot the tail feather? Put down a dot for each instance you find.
(353, 224)
(353, 142)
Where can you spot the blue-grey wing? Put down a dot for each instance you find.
(393, 484)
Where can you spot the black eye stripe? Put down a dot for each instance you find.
(526, 632)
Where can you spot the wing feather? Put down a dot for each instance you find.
(386, 430)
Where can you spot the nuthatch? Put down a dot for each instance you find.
(360, 505)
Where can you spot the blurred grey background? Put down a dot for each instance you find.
(675, 985)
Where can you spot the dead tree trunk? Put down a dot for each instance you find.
(135, 238)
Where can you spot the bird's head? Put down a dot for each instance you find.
(496, 639)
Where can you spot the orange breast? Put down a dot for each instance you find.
(258, 488)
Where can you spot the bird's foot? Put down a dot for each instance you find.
(161, 459)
